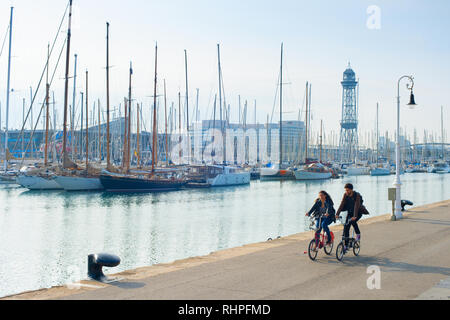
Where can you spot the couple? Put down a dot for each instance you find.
(324, 208)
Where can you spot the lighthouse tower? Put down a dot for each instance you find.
(348, 145)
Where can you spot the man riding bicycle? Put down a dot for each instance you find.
(353, 204)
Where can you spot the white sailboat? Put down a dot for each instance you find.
(37, 179)
(358, 170)
(440, 168)
(217, 176)
(7, 177)
(277, 171)
(315, 171)
(79, 183)
(379, 170)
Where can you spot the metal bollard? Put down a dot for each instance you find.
(406, 203)
(96, 262)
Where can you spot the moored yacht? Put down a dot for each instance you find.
(37, 179)
(315, 171)
(440, 167)
(217, 176)
(275, 173)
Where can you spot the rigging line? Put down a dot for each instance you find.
(42, 76)
(43, 103)
(4, 40)
(276, 98)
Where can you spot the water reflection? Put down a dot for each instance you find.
(46, 236)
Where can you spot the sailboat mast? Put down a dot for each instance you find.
(378, 133)
(8, 89)
(306, 122)
(125, 139)
(99, 134)
(66, 89)
(108, 138)
(155, 129)
(47, 98)
(165, 118)
(187, 105)
(281, 107)
(129, 121)
(220, 105)
(442, 133)
(321, 140)
(72, 121)
(87, 120)
(138, 134)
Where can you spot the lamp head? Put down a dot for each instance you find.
(412, 101)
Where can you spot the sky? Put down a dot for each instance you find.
(320, 39)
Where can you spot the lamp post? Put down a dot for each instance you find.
(397, 183)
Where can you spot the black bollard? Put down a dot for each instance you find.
(96, 262)
(406, 203)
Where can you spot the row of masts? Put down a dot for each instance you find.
(126, 156)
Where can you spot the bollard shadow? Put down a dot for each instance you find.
(429, 221)
(128, 285)
(387, 265)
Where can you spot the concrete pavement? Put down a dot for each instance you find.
(412, 255)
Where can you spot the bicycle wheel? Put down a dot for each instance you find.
(329, 248)
(312, 250)
(340, 252)
(356, 248)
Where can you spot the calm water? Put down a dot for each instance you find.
(45, 237)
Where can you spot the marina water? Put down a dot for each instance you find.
(45, 237)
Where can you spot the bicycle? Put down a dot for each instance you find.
(341, 250)
(320, 242)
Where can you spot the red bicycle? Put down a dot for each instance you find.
(320, 241)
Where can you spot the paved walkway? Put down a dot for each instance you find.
(412, 255)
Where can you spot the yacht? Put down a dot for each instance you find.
(37, 179)
(315, 171)
(79, 182)
(440, 167)
(274, 172)
(380, 171)
(358, 171)
(216, 176)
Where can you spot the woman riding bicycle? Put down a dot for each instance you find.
(323, 211)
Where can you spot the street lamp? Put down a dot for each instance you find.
(397, 183)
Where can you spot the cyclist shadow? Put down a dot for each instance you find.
(387, 265)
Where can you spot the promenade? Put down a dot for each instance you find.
(412, 254)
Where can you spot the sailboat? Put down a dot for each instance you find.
(81, 180)
(314, 171)
(277, 171)
(8, 176)
(215, 175)
(155, 181)
(42, 178)
(379, 170)
(358, 170)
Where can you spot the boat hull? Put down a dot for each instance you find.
(38, 183)
(79, 183)
(307, 175)
(379, 172)
(230, 179)
(358, 171)
(127, 184)
(268, 174)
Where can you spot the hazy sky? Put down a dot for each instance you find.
(320, 39)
